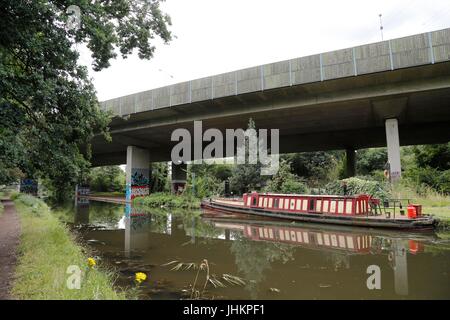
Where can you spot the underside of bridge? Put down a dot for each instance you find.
(346, 113)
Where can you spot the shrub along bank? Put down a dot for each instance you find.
(168, 200)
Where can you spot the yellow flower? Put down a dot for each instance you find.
(91, 262)
(140, 276)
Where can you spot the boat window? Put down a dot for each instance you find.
(311, 205)
(341, 206)
(319, 205)
(254, 201)
(305, 205)
(349, 207)
(275, 203)
(325, 206)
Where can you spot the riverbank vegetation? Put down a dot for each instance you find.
(168, 200)
(46, 251)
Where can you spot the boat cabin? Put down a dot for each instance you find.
(351, 205)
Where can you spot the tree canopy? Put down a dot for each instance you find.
(48, 105)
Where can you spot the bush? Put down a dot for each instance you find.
(161, 199)
(358, 186)
(107, 179)
(14, 195)
(369, 160)
(36, 205)
(284, 181)
(431, 177)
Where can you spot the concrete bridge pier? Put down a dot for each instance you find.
(179, 177)
(350, 164)
(393, 149)
(137, 173)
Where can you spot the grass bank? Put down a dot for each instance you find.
(46, 251)
(168, 200)
(433, 202)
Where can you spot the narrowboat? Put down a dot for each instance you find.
(352, 210)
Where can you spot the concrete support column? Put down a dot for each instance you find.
(82, 192)
(179, 177)
(393, 149)
(350, 165)
(137, 173)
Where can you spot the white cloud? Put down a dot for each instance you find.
(215, 36)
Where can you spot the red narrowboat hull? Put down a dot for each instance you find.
(422, 223)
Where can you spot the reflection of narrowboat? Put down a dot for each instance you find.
(354, 210)
(313, 236)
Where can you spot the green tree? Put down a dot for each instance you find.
(107, 179)
(314, 166)
(159, 178)
(435, 156)
(246, 177)
(284, 181)
(48, 105)
(369, 160)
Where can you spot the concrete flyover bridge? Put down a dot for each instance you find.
(394, 92)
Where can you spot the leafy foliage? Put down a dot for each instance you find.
(434, 156)
(48, 107)
(370, 160)
(358, 186)
(285, 181)
(431, 177)
(316, 167)
(246, 177)
(107, 179)
(205, 183)
(168, 200)
(159, 177)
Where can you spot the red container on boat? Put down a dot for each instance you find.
(418, 209)
(412, 211)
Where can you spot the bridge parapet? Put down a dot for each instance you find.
(415, 50)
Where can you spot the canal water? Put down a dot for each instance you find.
(254, 258)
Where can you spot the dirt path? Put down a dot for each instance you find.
(9, 240)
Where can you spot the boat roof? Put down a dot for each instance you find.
(307, 195)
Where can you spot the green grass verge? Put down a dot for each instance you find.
(432, 202)
(168, 200)
(46, 250)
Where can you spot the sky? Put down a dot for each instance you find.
(217, 36)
